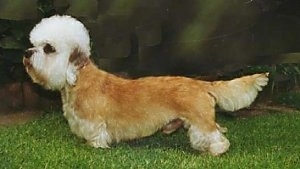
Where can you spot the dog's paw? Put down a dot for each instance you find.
(218, 144)
(98, 144)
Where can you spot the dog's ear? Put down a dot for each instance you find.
(77, 60)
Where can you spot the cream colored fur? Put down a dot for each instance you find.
(238, 93)
(103, 108)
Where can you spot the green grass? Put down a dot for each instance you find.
(269, 141)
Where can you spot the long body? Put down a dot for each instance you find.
(136, 108)
(103, 108)
(122, 109)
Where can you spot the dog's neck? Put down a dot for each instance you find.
(87, 77)
(83, 80)
(87, 69)
(88, 74)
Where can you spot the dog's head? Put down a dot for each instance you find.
(61, 45)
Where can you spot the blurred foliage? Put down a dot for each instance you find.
(283, 77)
(18, 9)
(83, 8)
(289, 98)
(155, 37)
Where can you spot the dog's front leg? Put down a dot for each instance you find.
(96, 134)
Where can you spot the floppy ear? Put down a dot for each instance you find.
(77, 61)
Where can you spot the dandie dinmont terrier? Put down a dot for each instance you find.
(103, 108)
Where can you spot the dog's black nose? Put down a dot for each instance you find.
(28, 53)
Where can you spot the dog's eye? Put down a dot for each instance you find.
(49, 49)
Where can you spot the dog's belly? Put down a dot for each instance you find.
(117, 128)
(128, 129)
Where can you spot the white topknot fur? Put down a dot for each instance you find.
(54, 40)
(57, 29)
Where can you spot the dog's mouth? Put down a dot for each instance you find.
(26, 62)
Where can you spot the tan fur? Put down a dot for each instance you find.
(137, 108)
(103, 108)
(35, 76)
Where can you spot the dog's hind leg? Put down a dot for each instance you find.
(214, 142)
(205, 134)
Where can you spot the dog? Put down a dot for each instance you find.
(103, 108)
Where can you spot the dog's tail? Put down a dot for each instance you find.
(238, 93)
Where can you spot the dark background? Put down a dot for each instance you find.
(207, 39)
(165, 37)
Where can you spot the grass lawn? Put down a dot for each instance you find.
(268, 141)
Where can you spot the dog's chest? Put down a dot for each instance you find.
(76, 124)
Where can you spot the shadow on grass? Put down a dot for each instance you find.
(179, 140)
